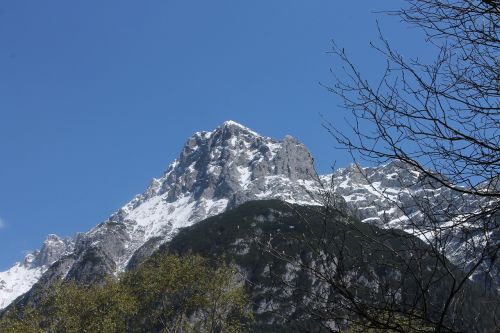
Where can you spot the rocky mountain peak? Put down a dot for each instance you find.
(53, 249)
(216, 170)
(234, 127)
(227, 161)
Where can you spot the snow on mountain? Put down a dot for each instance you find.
(219, 170)
(215, 171)
(20, 278)
(396, 196)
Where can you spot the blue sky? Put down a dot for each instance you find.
(98, 97)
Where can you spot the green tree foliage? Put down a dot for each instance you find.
(72, 308)
(186, 294)
(26, 322)
(167, 294)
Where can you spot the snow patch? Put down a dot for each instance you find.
(16, 281)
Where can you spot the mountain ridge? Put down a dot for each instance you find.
(215, 170)
(219, 170)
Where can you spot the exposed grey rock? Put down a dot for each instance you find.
(58, 271)
(111, 238)
(92, 266)
(53, 249)
(144, 252)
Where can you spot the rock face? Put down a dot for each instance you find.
(220, 170)
(52, 250)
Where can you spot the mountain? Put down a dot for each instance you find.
(220, 170)
(395, 195)
(215, 171)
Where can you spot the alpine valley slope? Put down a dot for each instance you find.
(217, 171)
